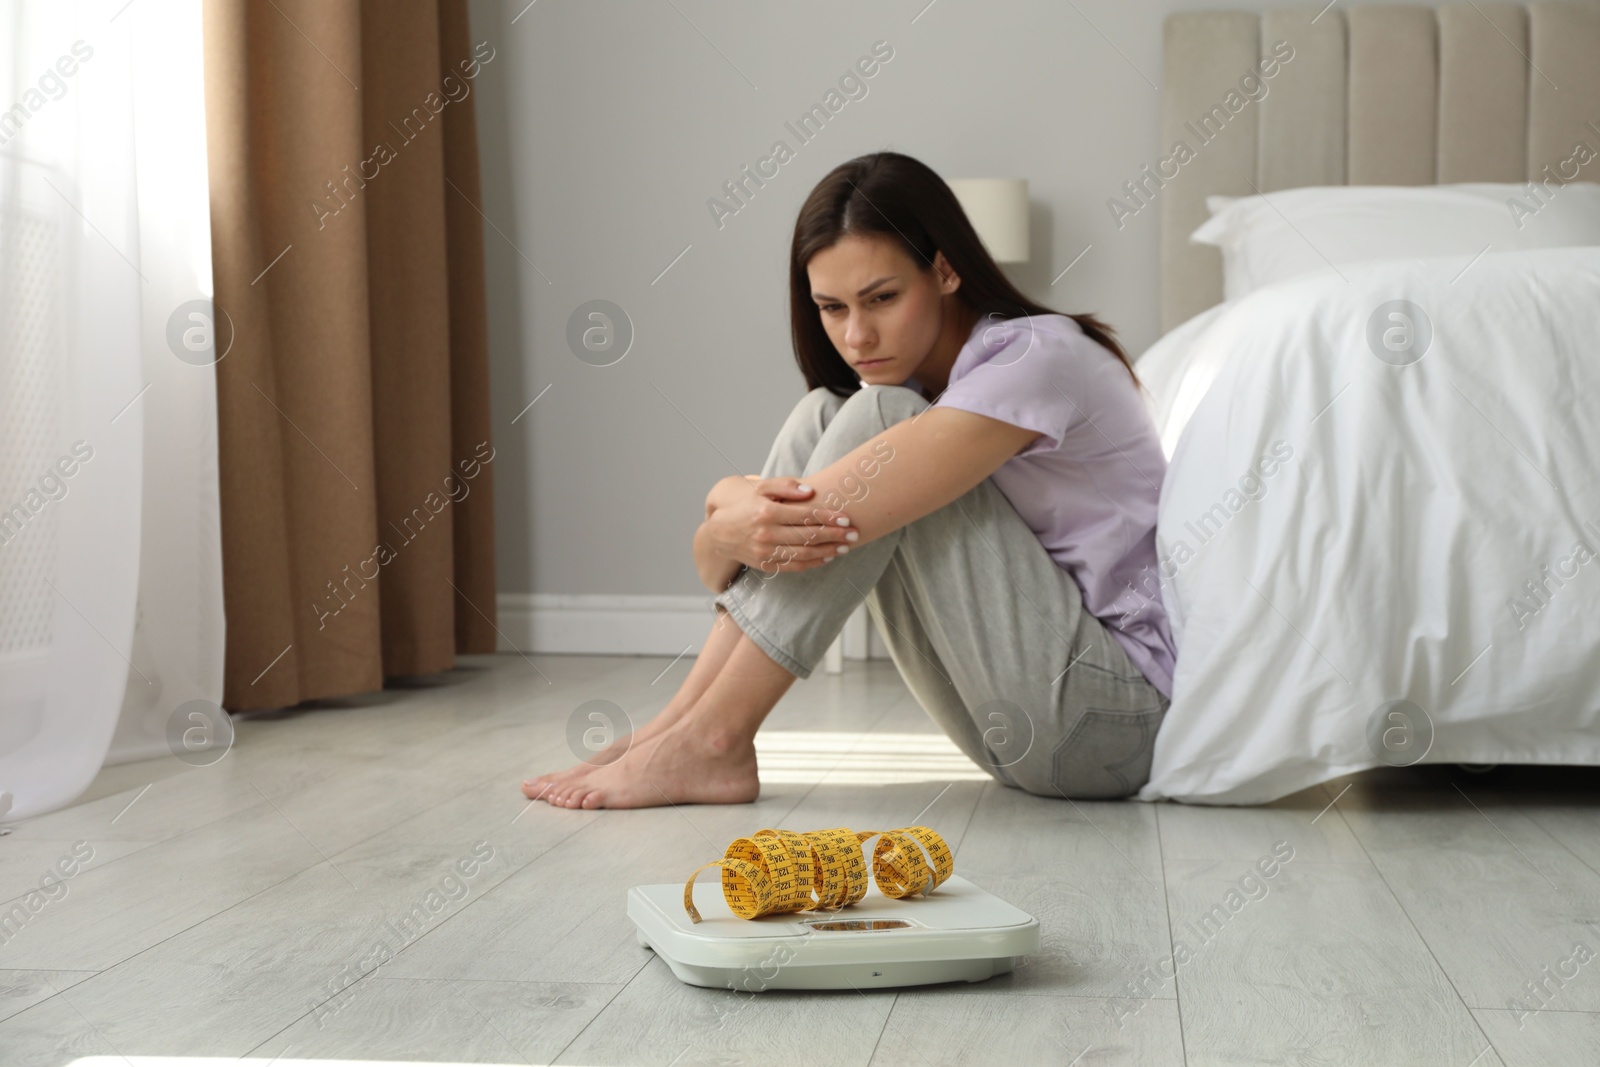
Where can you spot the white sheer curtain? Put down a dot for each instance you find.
(110, 557)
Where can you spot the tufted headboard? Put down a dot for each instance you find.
(1373, 95)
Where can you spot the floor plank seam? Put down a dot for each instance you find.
(972, 812)
(879, 1041)
(837, 763)
(375, 976)
(86, 870)
(200, 826)
(119, 963)
(622, 988)
(1546, 831)
(1166, 899)
(295, 874)
(1488, 1041)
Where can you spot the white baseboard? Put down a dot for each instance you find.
(621, 625)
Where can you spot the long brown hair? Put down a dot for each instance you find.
(903, 199)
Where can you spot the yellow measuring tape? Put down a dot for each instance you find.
(776, 871)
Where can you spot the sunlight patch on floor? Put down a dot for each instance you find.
(803, 756)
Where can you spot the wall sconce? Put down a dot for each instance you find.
(998, 208)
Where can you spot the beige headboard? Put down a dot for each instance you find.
(1374, 95)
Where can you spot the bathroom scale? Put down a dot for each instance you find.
(957, 933)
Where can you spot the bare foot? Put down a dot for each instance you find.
(540, 788)
(682, 765)
(557, 789)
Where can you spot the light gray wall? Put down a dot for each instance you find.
(606, 127)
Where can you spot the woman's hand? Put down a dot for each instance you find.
(765, 523)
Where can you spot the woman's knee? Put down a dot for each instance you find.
(892, 402)
(873, 409)
(801, 431)
(822, 396)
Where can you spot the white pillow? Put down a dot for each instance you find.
(1294, 232)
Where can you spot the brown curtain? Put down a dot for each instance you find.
(353, 405)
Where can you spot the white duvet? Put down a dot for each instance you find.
(1340, 531)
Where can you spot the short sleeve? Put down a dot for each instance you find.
(1018, 371)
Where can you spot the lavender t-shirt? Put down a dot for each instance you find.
(1089, 484)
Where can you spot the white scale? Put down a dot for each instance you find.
(957, 933)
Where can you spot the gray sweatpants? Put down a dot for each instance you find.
(989, 633)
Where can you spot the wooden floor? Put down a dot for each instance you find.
(240, 909)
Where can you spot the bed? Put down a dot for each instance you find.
(1380, 528)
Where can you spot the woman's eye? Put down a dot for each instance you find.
(835, 307)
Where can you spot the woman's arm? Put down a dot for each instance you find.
(774, 524)
(723, 490)
(715, 571)
(916, 466)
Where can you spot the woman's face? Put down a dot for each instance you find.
(880, 311)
